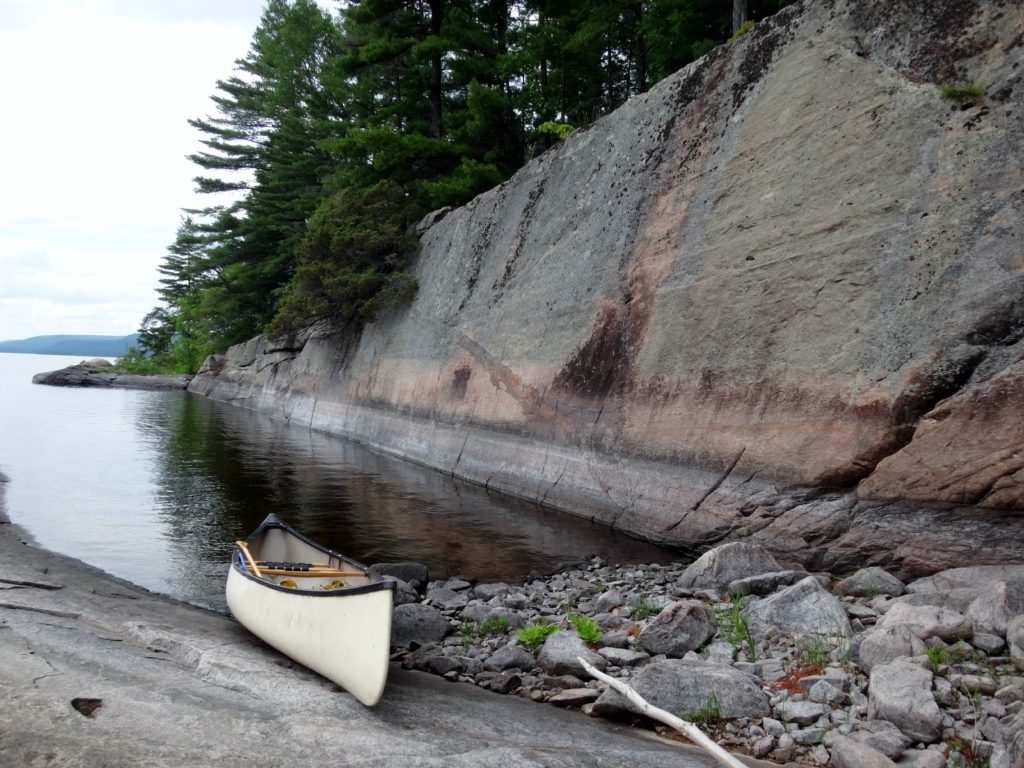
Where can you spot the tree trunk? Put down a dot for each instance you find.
(436, 73)
(739, 14)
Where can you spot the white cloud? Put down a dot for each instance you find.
(97, 94)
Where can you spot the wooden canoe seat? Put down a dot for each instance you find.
(313, 570)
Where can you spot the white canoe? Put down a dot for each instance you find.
(336, 619)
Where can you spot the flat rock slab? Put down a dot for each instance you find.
(103, 673)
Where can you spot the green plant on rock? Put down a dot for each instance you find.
(708, 712)
(733, 626)
(534, 635)
(560, 131)
(937, 657)
(643, 608)
(494, 625)
(961, 755)
(470, 630)
(963, 93)
(586, 628)
(813, 651)
(745, 27)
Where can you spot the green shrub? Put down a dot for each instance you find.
(560, 131)
(745, 27)
(586, 628)
(733, 626)
(964, 93)
(534, 635)
(937, 657)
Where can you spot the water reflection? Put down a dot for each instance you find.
(221, 470)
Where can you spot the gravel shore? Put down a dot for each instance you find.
(778, 664)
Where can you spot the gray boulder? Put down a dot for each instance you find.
(765, 583)
(447, 598)
(404, 592)
(624, 657)
(489, 591)
(955, 599)
(901, 692)
(443, 665)
(561, 652)
(683, 626)
(804, 608)
(510, 656)
(1015, 740)
(886, 644)
(480, 612)
(850, 753)
(608, 600)
(1015, 639)
(883, 736)
(716, 568)
(682, 687)
(970, 577)
(923, 758)
(573, 697)
(799, 711)
(411, 573)
(825, 692)
(928, 621)
(996, 606)
(416, 624)
(871, 580)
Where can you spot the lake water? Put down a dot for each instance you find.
(154, 486)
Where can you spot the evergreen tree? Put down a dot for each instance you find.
(334, 134)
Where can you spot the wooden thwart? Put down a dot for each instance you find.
(316, 570)
(316, 573)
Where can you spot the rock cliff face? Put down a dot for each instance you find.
(780, 295)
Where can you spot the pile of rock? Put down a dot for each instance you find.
(781, 664)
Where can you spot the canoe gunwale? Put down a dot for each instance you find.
(273, 521)
(376, 586)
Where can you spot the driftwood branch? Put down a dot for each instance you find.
(688, 729)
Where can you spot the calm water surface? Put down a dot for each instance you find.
(154, 486)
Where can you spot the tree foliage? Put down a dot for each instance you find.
(337, 131)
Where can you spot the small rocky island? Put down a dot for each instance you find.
(102, 373)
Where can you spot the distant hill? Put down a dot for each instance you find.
(91, 346)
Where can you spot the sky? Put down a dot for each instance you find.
(95, 96)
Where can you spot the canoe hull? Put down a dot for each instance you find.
(344, 634)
